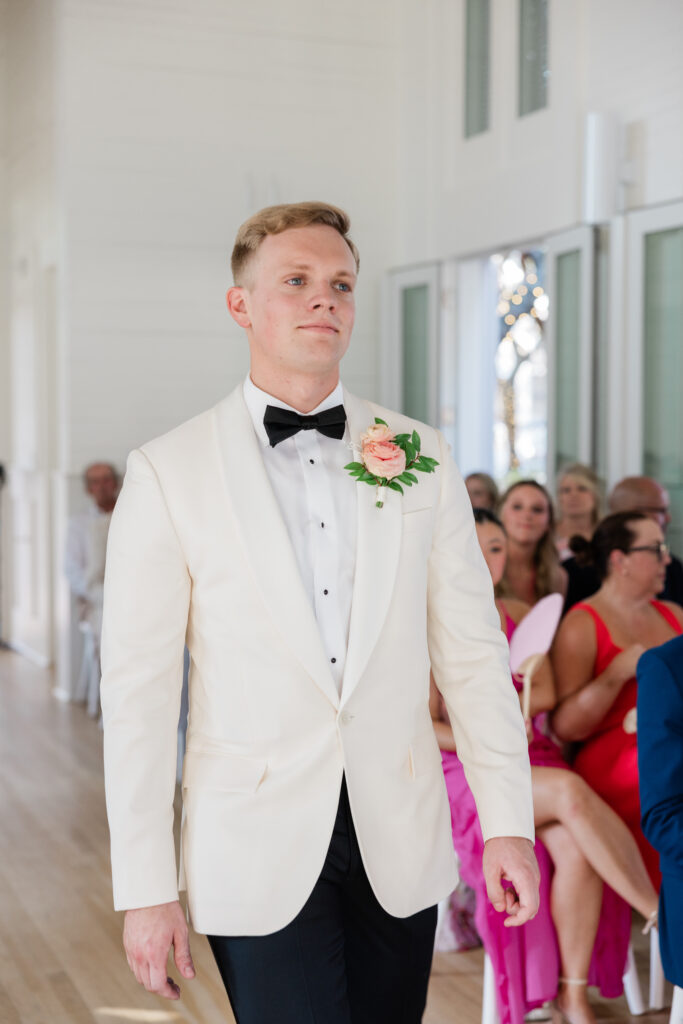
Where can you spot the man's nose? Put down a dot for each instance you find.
(324, 297)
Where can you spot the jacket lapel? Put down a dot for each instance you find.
(378, 547)
(266, 540)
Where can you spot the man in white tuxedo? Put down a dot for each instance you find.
(316, 832)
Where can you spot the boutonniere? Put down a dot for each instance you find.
(386, 459)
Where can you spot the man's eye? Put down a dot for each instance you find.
(294, 280)
(343, 286)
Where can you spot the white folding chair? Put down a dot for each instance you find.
(677, 1006)
(632, 989)
(489, 1007)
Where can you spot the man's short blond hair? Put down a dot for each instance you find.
(273, 220)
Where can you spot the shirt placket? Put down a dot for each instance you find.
(323, 537)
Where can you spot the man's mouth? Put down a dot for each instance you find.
(319, 327)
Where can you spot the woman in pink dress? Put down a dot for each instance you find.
(580, 935)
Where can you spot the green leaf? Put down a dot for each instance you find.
(383, 422)
(416, 440)
(420, 466)
(369, 478)
(405, 479)
(371, 481)
(400, 439)
(354, 466)
(409, 476)
(411, 452)
(395, 486)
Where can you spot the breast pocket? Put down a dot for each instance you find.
(417, 519)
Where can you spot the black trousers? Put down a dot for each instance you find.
(342, 960)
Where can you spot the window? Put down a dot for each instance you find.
(521, 406)
(415, 344)
(567, 351)
(476, 67)
(533, 56)
(663, 368)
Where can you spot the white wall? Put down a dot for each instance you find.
(522, 179)
(181, 120)
(141, 136)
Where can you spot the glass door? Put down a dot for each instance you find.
(411, 341)
(653, 357)
(569, 338)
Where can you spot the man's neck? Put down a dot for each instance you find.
(302, 393)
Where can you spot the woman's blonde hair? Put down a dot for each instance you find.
(273, 220)
(592, 481)
(546, 561)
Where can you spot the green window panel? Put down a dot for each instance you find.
(415, 349)
(567, 315)
(477, 46)
(663, 370)
(533, 56)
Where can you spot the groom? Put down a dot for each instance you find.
(316, 833)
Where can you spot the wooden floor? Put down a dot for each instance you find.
(61, 960)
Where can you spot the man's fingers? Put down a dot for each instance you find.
(181, 953)
(495, 892)
(161, 984)
(511, 901)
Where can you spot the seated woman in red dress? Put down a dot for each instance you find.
(595, 656)
(586, 841)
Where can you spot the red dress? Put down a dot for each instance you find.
(608, 761)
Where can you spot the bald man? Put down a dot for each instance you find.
(632, 494)
(87, 531)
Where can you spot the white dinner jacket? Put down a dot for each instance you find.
(198, 552)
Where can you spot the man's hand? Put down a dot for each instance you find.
(148, 934)
(513, 859)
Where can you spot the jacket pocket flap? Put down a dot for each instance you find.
(228, 772)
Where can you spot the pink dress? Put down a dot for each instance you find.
(525, 960)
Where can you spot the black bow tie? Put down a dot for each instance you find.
(283, 423)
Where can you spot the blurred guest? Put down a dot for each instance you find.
(533, 568)
(586, 842)
(643, 494)
(660, 763)
(595, 655)
(86, 546)
(482, 490)
(632, 494)
(88, 529)
(578, 506)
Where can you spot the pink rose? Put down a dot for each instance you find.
(383, 458)
(377, 432)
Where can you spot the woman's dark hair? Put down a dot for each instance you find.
(485, 515)
(611, 534)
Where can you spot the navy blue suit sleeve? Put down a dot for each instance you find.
(660, 756)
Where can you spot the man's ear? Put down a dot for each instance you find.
(237, 306)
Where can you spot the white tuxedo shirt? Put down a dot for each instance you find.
(199, 552)
(317, 500)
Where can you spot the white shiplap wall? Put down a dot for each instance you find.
(182, 118)
(522, 179)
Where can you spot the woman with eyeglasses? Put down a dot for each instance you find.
(595, 656)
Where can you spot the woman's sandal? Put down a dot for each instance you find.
(559, 1016)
